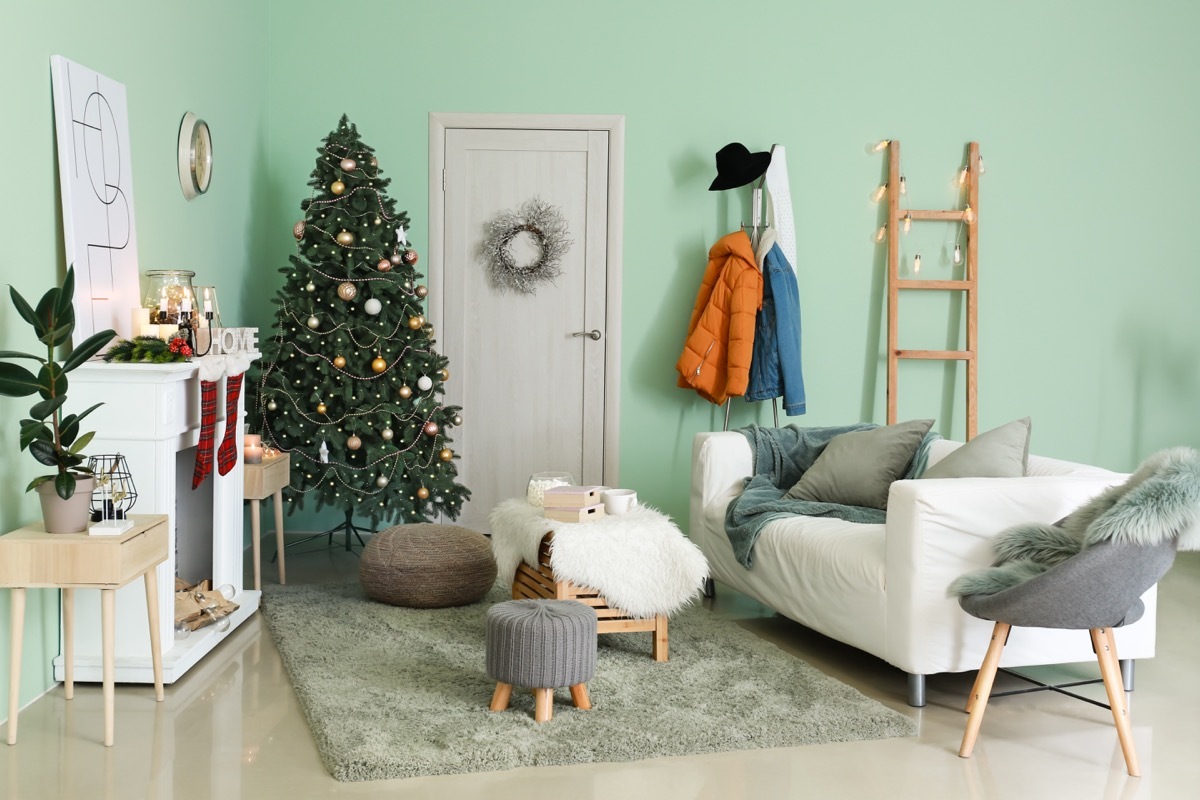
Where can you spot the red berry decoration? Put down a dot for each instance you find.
(410, 257)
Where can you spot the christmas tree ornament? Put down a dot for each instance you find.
(339, 362)
(345, 238)
(310, 287)
(396, 259)
(415, 322)
(443, 374)
(457, 419)
(423, 493)
(424, 383)
(428, 329)
(446, 454)
(347, 291)
(322, 408)
(431, 428)
(374, 161)
(421, 291)
(386, 434)
(384, 265)
(323, 452)
(353, 443)
(405, 392)
(272, 405)
(314, 323)
(401, 236)
(298, 230)
(372, 306)
(379, 365)
(348, 165)
(410, 257)
(337, 187)
(381, 481)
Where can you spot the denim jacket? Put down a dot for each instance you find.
(775, 368)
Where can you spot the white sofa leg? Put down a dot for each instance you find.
(916, 690)
(1127, 673)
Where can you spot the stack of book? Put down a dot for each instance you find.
(572, 503)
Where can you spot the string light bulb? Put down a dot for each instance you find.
(882, 145)
(962, 176)
(907, 223)
(968, 215)
(917, 264)
(879, 192)
(903, 185)
(881, 234)
(981, 169)
(957, 254)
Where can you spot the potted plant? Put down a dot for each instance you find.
(50, 435)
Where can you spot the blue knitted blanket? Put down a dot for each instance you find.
(781, 456)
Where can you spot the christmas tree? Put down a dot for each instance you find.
(351, 383)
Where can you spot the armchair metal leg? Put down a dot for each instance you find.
(1127, 673)
(982, 689)
(710, 588)
(916, 690)
(1106, 654)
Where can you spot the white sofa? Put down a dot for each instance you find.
(882, 588)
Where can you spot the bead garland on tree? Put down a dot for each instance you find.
(351, 341)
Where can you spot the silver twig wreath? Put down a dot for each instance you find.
(548, 227)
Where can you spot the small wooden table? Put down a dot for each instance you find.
(262, 481)
(30, 558)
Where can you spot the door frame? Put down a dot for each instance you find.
(614, 124)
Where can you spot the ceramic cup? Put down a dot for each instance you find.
(619, 501)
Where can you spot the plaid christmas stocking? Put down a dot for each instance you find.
(235, 370)
(211, 368)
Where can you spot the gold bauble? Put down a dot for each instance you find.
(405, 392)
(416, 322)
(396, 259)
(314, 323)
(379, 365)
(384, 265)
(386, 434)
(337, 187)
(321, 408)
(421, 291)
(443, 374)
(298, 230)
(347, 291)
(446, 454)
(457, 419)
(348, 165)
(310, 287)
(272, 405)
(423, 493)
(353, 443)
(345, 238)
(339, 362)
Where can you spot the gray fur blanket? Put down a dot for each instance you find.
(781, 456)
(1160, 501)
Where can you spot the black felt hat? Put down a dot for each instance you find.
(737, 166)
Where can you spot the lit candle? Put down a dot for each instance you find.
(252, 449)
(207, 302)
(162, 302)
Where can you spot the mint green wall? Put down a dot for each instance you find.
(1084, 112)
(154, 49)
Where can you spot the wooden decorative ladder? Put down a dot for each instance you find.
(969, 283)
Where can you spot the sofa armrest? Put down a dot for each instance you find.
(721, 461)
(937, 530)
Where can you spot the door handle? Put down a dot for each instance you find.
(593, 334)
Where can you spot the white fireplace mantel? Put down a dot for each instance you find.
(151, 415)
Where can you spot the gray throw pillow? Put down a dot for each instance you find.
(858, 468)
(1000, 453)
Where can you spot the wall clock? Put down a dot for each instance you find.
(195, 156)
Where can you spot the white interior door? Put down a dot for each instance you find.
(525, 367)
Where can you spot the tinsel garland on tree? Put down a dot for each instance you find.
(351, 383)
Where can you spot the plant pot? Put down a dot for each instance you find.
(67, 516)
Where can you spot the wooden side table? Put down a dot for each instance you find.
(30, 558)
(262, 481)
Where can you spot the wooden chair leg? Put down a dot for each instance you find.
(579, 696)
(501, 696)
(1110, 671)
(543, 704)
(983, 687)
(659, 648)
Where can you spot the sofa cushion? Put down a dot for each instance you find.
(857, 469)
(999, 453)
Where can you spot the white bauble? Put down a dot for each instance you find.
(424, 383)
(372, 306)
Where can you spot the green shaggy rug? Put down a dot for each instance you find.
(398, 692)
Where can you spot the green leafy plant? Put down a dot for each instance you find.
(50, 436)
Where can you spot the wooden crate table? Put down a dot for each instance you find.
(536, 583)
(634, 570)
(264, 480)
(30, 558)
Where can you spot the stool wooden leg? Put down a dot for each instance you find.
(543, 704)
(501, 696)
(659, 648)
(68, 608)
(1110, 670)
(255, 544)
(17, 633)
(579, 696)
(279, 546)
(151, 580)
(108, 627)
(983, 687)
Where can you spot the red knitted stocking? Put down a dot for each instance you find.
(227, 453)
(208, 426)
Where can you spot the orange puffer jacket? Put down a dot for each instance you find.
(716, 356)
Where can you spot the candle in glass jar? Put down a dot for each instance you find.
(162, 302)
(186, 307)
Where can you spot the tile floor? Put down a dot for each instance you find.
(232, 728)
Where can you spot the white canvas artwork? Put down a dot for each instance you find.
(96, 182)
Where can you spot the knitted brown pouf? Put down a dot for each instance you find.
(427, 566)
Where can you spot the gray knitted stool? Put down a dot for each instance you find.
(541, 645)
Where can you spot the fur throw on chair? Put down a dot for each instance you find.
(1160, 501)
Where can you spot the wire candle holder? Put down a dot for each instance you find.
(113, 495)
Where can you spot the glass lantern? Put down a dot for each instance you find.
(114, 493)
(169, 295)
